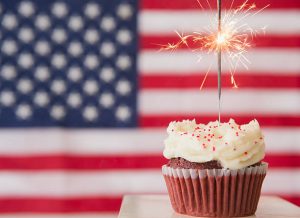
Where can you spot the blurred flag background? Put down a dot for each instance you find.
(86, 98)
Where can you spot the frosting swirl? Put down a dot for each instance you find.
(234, 146)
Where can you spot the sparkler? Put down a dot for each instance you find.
(230, 41)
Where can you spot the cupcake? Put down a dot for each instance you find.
(214, 170)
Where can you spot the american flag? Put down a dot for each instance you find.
(86, 98)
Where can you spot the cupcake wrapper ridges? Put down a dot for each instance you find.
(215, 192)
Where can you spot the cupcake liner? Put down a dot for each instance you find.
(215, 192)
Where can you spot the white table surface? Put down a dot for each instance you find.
(159, 206)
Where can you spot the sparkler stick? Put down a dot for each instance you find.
(219, 56)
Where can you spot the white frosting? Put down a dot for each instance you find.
(234, 146)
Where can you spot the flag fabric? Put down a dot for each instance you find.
(86, 98)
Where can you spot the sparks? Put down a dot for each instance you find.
(234, 39)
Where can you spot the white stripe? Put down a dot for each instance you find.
(82, 142)
(241, 101)
(104, 142)
(179, 62)
(282, 140)
(115, 183)
(161, 21)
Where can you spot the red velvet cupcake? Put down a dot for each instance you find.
(214, 170)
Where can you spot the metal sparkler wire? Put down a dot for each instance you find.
(219, 56)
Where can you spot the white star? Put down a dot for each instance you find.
(92, 10)
(75, 48)
(123, 87)
(42, 73)
(60, 9)
(124, 36)
(59, 35)
(74, 100)
(91, 36)
(91, 61)
(42, 22)
(25, 86)
(90, 113)
(123, 62)
(107, 49)
(8, 72)
(7, 98)
(58, 112)
(9, 47)
(41, 98)
(24, 111)
(58, 86)
(74, 73)
(107, 74)
(75, 23)
(9, 21)
(42, 47)
(123, 113)
(125, 11)
(26, 34)
(108, 23)
(58, 61)
(91, 87)
(107, 100)
(25, 60)
(26, 8)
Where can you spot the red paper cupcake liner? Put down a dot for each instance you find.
(215, 192)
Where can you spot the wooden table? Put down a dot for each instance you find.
(158, 206)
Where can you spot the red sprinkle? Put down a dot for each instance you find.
(236, 133)
(204, 146)
(198, 136)
(245, 152)
(255, 142)
(261, 138)
(220, 137)
(214, 148)
(208, 140)
(226, 143)
(193, 134)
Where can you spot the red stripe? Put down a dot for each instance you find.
(260, 41)
(60, 205)
(188, 80)
(55, 162)
(74, 205)
(146, 121)
(192, 4)
(283, 160)
(292, 199)
(119, 162)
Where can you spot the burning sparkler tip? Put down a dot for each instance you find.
(233, 39)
